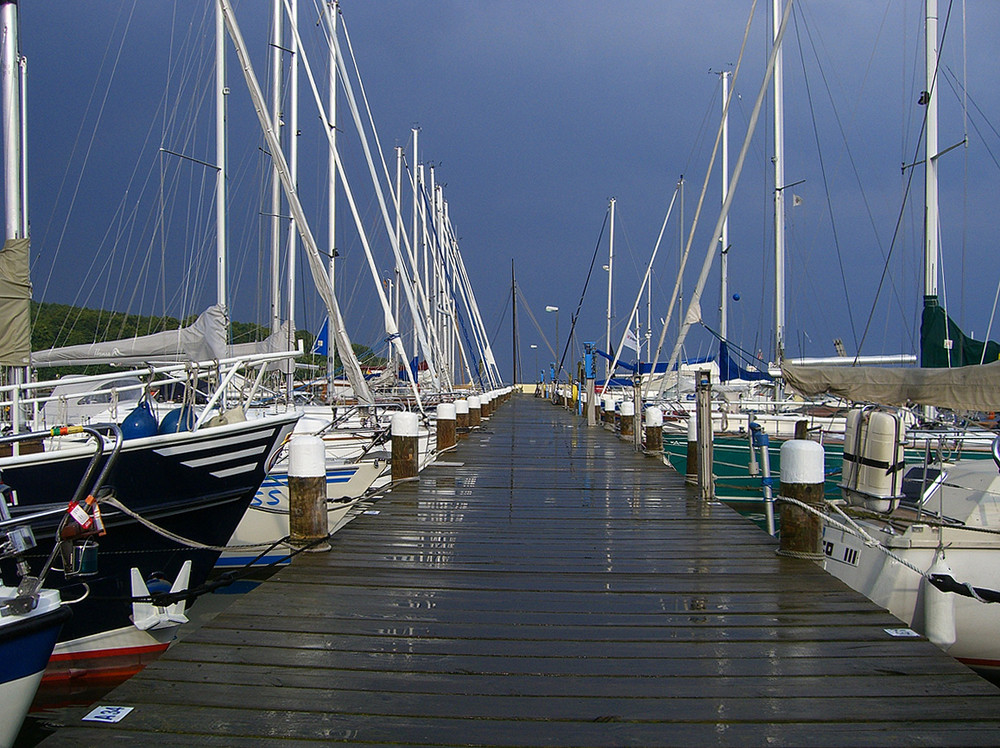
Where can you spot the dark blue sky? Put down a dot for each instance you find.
(534, 113)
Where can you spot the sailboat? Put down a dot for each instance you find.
(922, 542)
(175, 477)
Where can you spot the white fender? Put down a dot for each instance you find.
(939, 608)
(146, 616)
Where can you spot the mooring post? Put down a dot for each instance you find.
(307, 519)
(475, 412)
(802, 429)
(653, 417)
(802, 479)
(627, 421)
(462, 418)
(609, 408)
(703, 393)
(445, 425)
(637, 414)
(691, 473)
(405, 429)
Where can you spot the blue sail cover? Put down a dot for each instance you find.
(658, 368)
(729, 369)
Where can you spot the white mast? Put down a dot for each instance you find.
(293, 166)
(930, 157)
(779, 186)
(13, 213)
(724, 238)
(399, 224)
(276, 47)
(220, 158)
(332, 196)
(611, 265)
(361, 389)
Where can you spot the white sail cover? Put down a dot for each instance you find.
(276, 342)
(15, 303)
(962, 388)
(203, 340)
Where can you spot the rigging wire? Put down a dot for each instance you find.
(583, 293)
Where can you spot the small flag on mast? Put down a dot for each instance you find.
(319, 347)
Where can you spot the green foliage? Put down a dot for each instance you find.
(57, 325)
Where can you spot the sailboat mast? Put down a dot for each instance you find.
(220, 158)
(13, 209)
(779, 187)
(930, 156)
(276, 48)
(332, 197)
(611, 267)
(293, 166)
(724, 238)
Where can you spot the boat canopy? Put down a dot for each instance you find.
(962, 388)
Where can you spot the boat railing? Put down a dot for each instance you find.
(31, 397)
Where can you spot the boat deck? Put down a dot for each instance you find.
(546, 585)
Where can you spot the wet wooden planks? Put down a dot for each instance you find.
(548, 586)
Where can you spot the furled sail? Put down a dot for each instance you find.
(963, 388)
(203, 340)
(15, 303)
(943, 344)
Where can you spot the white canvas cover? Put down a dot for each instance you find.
(965, 388)
(203, 340)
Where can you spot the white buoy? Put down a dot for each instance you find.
(939, 608)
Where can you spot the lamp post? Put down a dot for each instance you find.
(537, 370)
(556, 310)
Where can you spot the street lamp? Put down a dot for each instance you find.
(556, 310)
(537, 370)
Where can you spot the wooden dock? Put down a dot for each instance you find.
(546, 585)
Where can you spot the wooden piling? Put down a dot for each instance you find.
(653, 418)
(802, 479)
(405, 429)
(691, 475)
(445, 425)
(475, 412)
(462, 418)
(307, 518)
(626, 424)
(703, 396)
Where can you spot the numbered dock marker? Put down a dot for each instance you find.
(109, 714)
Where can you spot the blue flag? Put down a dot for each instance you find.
(320, 344)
